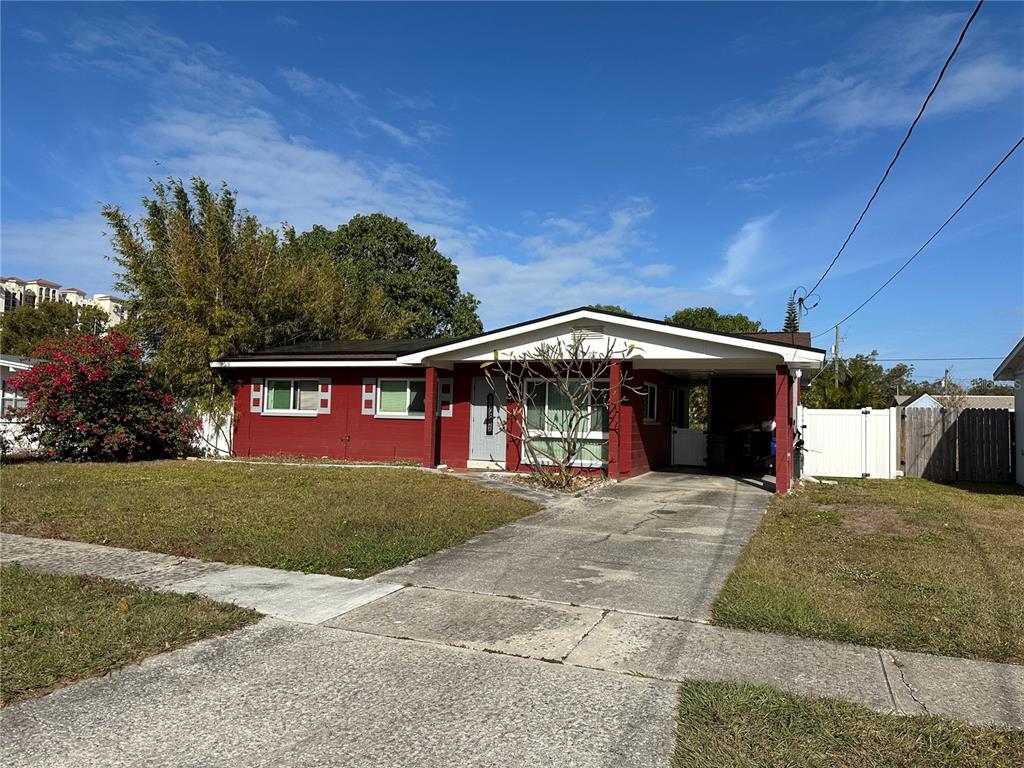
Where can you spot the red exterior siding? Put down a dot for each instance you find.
(344, 433)
(347, 433)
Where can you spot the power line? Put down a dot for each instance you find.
(927, 242)
(933, 359)
(899, 149)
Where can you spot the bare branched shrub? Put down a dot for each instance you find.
(558, 395)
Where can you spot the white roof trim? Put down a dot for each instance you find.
(1007, 370)
(787, 354)
(256, 363)
(15, 364)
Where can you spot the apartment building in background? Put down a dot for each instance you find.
(18, 292)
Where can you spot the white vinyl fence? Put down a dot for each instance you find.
(860, 442)
(211, 441)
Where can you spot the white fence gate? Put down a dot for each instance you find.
(858, 442)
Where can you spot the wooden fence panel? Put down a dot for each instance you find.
(975, 447)
(985, 446)
(930, 444)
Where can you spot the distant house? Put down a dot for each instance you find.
(922, 400)
(925, 400)
(1012, 369)
(11, 401)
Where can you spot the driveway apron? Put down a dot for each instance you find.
(660, 544)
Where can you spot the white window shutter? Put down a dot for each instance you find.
(369, 396)
(324, 405)
(445, 390)
(256, 395)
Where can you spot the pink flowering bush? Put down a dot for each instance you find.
(94, 399)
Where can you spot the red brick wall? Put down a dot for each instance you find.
(783, 430)
(651, 442)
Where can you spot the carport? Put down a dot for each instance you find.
(753, 380)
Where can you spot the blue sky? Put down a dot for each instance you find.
(653, 156)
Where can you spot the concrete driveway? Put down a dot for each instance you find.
(661, 544)
(451, 671)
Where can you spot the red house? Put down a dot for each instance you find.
(427, 400)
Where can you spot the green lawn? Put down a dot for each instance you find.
(726, 725)
(905, 564)
(345, 522)
(57, 629)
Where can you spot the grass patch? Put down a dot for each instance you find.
(906, 564)
(729, 725)
(345, 522)
(58, 629)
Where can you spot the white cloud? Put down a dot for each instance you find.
(589, 263)
(68, 249)
(418, 103)
(279, 178)
(32, 35)
(353, 105)
(312, 87)
(394, 132)
(742, 257)
(224, 127)
(286, 21)
(758, 183)
(884, 81)
(566, 225)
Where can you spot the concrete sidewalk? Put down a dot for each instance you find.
(896, 682)
(296, 696)
(307, 598)
(621, 643)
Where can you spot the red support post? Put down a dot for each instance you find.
(513, 452)
(430, 420)
(783, 430)
(620, 421)
(614, 416)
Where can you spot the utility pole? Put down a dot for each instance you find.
(835, 359)
(945, 381)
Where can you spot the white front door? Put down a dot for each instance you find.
(689, 447)
(486, 414)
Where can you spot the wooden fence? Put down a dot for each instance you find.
(975, 446)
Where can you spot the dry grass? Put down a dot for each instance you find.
(905, 564)
(725, 725)
(58, 629)
(344, 522)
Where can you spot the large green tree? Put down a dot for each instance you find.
(25, 328)
(204, 278)
(989, 387)
(612, 308)
(419, 285)
(858, 382)
(710, 319)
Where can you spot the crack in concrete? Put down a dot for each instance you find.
(650, 516)
(903, 679)
(888, 684)
(585, 635)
